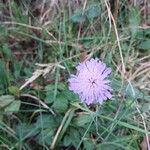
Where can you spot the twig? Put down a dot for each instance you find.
(117, 36)
(41, 72)
(61, 128)
(145, 68)
(38, 100)
(143, 120)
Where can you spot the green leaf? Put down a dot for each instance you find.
(50, 87)
(88, 145)
(4, 32)
(145, 108)
(134, 20)
(78, 17)
(60, 105)
(17, 67)
(5, 100)
(71, 96)
(116, 84)
(46, 125)
(6, 51)
(45, 136)
(132, 92)
(65, 123)
(61, 86)
(46, 121)
(3, 76)
(108, 146)
(24, 131)
(145, 45)
(49, 93)
(116, 143)
(93, 11)
(147, 32)
(67, 140)
(82, 120)
(49, 97)
(13, 107)
(1, 116)
(72, 137)
(14, 90)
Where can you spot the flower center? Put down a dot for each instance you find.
(92, 81)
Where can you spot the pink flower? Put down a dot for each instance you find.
(90, 82)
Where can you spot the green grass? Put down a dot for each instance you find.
(45, 114)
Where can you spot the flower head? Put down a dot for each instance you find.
(90, 82)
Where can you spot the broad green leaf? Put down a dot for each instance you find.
(5, 100)
(45, 136)
(4, 32)
(116, 143)
(147, 97)
(89, 145)
(46, 121)
(145, 108)
(147, 32)
(3, 76)
(1, 115)
(17, 67)
(134, 20)
(145, 45)
(46, 125)
(93, 11)
(65, 123)
(49, 97)
(116, 84)
(109, 146)
(49, 93)
(13, 107)
(50, 87)
(78, 17)
(24, 131)
(60, 105)
(82, 120)
(14, 90)
(67, 140)
(71, 96)
(72, 137)
(132, 92)
(6, 51)
(61, 86)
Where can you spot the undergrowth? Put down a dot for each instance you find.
(41, 42)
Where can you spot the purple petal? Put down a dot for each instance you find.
(90, 83)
